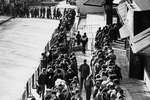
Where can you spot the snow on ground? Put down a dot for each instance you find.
(21, 43)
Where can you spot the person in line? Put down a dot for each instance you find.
(48, 12)
(44, 12)
(41, 12)
(42, 81)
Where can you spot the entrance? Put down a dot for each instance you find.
(136, 70)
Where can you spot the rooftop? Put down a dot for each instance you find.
(143, 4)
(98, 3)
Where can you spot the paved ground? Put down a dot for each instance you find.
(135, 89)
(80, 58)
(21, 43)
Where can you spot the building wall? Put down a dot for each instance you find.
(88, 9)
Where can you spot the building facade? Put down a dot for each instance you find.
(135, 15)
(84, 9)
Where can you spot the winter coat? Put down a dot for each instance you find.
(85, 70)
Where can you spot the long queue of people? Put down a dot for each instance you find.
(59, 77)
(106, 35)
(105, 72)
(42, 12)
(39, 12)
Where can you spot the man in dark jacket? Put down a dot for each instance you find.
(48, 12)
(84, 70)
(44, 11)
(84, 42)
(78, 37)
(42, 81)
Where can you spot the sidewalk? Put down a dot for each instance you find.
(135, 90)
(4, 19)
(80, 57)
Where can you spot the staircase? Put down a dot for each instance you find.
(120, 44)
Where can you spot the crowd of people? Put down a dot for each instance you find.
(62, 79)
(107, 35)
(105, 72)
(45, 12)
(59, 77)
(39, 12)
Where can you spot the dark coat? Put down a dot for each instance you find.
(85, 70)
(42, 79)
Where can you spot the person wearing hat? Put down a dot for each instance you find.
(117, 70)
(59, 73)
(84, 70)
(77, 95)
(43, 60)
(96, 88)
(42, 81)
(120, 95)
(104, 69)
(104, 76)
(69, 75)
(74, 66)
(111, 56)
(50, 81)
(74, 83)
(97, 68)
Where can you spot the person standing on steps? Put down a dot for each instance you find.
(84, 70)
(84, 41)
